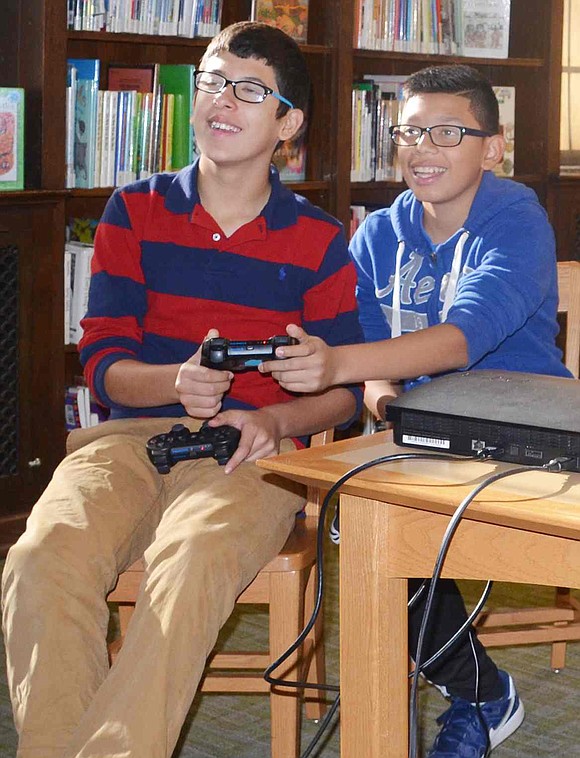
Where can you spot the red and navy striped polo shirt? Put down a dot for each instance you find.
(164, 273)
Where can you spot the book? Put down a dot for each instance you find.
(291, 16)
(138, 78)
(85, 119)
(506, 98)
(81, 256)
(80, 229)
(71, 97)
(485, 28)
(178, 80)
(81, 410)
(11, 138)
(67, 293)
(199, 18)
(290, 160)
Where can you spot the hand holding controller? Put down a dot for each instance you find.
(237, 355)
(219, 442)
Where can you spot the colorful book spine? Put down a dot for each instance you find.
(85, 120)
(178, 80)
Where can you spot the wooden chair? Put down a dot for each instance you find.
(559, 623)
(288, 586)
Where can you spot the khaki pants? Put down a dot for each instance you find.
(204, 536)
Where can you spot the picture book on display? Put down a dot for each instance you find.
(138, 78)
(81, 229)
(290, 160)
(290, 16)
(11, 138)
(486, 28)
(506, 98)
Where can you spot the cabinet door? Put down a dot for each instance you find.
(31, 351)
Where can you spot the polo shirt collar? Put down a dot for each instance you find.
(280, 211)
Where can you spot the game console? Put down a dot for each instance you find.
(519, 417)
(237, 355)
(180, 444)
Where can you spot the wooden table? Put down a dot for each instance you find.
(522, 529)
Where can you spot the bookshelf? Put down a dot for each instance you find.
(31, 365)
(34, 47)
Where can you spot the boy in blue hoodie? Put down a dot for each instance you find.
(459, 273)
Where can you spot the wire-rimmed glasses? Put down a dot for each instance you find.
(245, 90)
(441, 135)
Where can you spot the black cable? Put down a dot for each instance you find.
(319, 561)
(462, 629)
(322, 727)
(320, 587)
(476, 693)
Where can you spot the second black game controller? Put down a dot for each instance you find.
(180, 444)
(238, 355)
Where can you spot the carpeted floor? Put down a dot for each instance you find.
(221, 726)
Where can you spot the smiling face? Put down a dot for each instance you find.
(230, 132)
(446, 179)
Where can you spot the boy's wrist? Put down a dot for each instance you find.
(340, 372)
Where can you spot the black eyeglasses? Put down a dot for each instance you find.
(442, 135)
(245, 90)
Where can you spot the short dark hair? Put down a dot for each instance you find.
(462, 80)
(252, 39)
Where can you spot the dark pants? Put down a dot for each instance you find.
(455, 670)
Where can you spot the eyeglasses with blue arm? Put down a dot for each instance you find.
(244, 89)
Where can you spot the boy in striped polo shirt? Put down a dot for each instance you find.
(220, 247)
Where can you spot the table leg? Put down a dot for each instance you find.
(373, 636)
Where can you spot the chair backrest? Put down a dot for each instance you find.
(569, 303)
(314, 496)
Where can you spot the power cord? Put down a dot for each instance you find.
(320, 587)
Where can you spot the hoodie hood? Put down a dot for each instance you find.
(494, 197)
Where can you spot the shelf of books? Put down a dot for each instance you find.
(129, 91)
(113, 89)
(516, 45)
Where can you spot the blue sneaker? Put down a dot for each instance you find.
(464, 736)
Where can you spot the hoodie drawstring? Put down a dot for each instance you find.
(396, 325)
(453, 275)
(450, 290)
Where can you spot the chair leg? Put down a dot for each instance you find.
(564, 599)
(558, 656)
(286, 623)
(315, 700)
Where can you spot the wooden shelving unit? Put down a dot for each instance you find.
(34, 47)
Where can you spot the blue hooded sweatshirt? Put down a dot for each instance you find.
(495, 278)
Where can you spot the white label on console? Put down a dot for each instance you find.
(411, 439)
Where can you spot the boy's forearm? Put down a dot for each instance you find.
(141, 385)
(378, 394)
(428, 351)
(313, 413)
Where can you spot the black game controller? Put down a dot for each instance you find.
(219, 442)
(237, 355)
